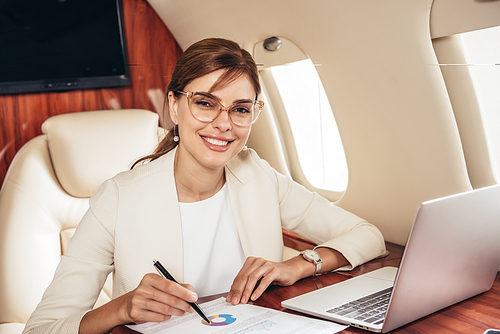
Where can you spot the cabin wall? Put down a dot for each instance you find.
(152, 53)
(380, 72)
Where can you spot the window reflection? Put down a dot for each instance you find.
(314, 129)
(482, 55)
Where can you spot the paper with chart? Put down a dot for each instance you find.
(239, 319)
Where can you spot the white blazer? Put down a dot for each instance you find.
(135, 218)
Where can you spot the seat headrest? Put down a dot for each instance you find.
(87, 148)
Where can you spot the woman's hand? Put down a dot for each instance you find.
(246, 285)
(157, 299)
(267, 272)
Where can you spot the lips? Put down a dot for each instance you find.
(215, 141)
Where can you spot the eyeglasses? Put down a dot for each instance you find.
(206, 108)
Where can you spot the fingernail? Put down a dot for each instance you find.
(194, 296)
(235, 300)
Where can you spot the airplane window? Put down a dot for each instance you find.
(482, 54)
(314, 129)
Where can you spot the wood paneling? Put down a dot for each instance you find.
(152, 53)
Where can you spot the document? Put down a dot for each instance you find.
(239, 319)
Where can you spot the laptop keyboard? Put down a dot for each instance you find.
(371, 308)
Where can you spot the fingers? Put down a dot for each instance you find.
(157, 299)
(256, 272)
(267, 280)
(165, 287)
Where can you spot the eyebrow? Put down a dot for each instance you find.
(220, 100)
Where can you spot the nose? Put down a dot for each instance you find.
(223, 121)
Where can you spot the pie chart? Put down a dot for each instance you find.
(220, 320)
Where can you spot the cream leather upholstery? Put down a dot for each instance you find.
(46, 191)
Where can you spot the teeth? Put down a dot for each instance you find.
(215, 141)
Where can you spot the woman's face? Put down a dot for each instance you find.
(210, 145)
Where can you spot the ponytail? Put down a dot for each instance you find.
(167, 144)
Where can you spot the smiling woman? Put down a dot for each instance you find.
(200, 196)
(200, 141)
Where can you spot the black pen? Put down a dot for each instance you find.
(163, 272)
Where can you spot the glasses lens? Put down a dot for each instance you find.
(244, 113)
(204, 108)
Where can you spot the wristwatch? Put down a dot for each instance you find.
(313, 257)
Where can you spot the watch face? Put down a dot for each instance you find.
(311, 254)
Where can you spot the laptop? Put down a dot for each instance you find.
(452, 253)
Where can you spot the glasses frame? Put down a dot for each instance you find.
(190, 94)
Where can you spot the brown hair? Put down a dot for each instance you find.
(202, 58)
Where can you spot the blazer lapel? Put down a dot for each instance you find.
(256, 209)
(169, 236)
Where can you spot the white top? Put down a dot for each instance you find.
(213, 254)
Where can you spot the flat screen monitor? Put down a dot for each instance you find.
(61, 45)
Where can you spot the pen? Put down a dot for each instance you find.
(163, 272)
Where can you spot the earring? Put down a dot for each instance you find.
(176, 137)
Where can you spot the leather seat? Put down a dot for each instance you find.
(45, 193)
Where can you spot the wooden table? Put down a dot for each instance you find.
(471, 316)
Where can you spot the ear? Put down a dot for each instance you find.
(172, 106)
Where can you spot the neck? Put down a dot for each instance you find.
(197, 183)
